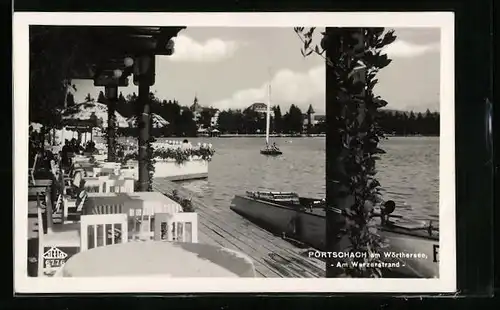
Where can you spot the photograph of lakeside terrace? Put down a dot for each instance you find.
(201, 152)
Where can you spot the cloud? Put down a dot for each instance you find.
(401, 48)
(287, 87)
(187, 49)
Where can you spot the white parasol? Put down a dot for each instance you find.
(158, 121)
(91, 111)
(36, 127)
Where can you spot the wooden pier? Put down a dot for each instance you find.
(273, 257)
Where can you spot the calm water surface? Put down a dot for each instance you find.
(408, 172)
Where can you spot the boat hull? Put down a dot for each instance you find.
(279, 219)
(168, 169)
(271, 153)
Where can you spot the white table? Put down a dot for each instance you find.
(158, 258)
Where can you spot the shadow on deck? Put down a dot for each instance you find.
(272, 255)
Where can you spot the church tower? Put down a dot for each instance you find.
(195, 107)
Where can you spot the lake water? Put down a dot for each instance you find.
(409, 172)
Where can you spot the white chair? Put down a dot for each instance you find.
(81, 159)
(114, 186)
(180, 227)
(94, 185)
(54, 167)
(128, 172)
(100, 157)
(59, 208)
(108, 209)
(119, 186)
(31, 170)
(73, 207)
(76, 177)
(102, 229)
(113, 165)
(141, 222)
(102, 179)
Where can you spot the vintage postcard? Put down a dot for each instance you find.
(234, 152)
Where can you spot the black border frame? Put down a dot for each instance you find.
(474, 158)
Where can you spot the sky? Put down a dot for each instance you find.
(232, 67)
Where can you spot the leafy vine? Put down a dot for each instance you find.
(150, 162)
(115, 147)
(354, 57)
(186, 204)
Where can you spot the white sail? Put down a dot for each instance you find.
(268, 114)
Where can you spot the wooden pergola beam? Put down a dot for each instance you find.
(103, 50)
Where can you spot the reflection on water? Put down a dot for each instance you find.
(408, 172)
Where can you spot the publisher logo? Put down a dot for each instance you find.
(54, 253)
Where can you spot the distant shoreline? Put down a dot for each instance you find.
(271, 136)
(277, 136)
(302, 136)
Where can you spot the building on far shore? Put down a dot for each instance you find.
(196, 108)
(260, 108)
(315, 119)
(318, 119)
(215, 118)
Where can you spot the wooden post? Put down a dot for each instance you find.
(336, 102)
(111, 92)
(48, 208)
(144, 119)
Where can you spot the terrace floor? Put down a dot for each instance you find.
(273, 257)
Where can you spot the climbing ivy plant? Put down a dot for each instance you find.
(354, 56)
(150, 161)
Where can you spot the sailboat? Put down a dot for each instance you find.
(269, 150)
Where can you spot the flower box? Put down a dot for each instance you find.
(195, 168)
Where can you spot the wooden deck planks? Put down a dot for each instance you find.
(276, 252)
(227, 216)
(220, 236)
(273, 256)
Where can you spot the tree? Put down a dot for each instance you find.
(186, 124)
(206, 115)
(278, 119)
(411, 123)
(70, 100)
(89, 97)
(419, 124)
(228, 121)
(251, 121)
(122, 106)
(294, 120)
(352, 139)
(320, 127)
(171, 111)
